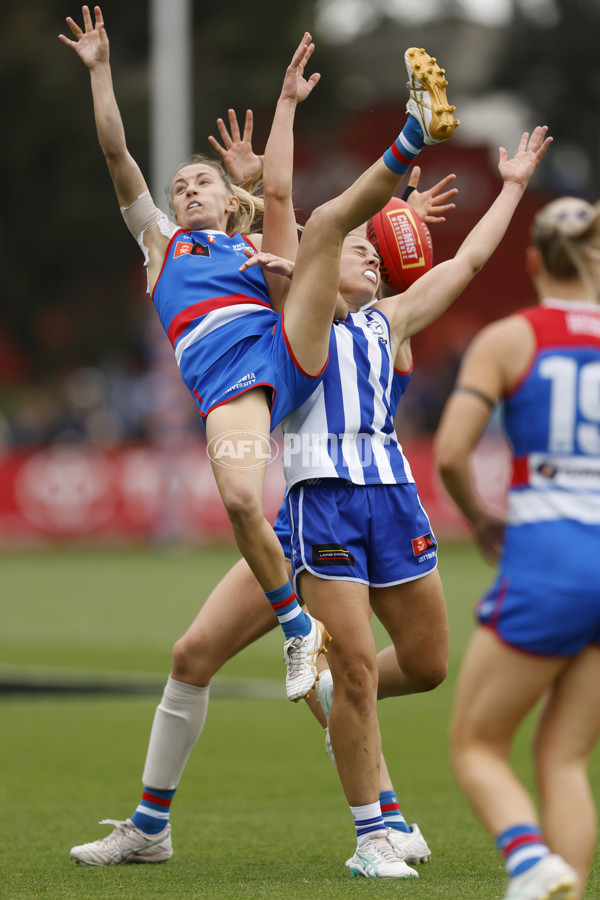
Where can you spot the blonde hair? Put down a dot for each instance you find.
(247, 217)
(567, 234)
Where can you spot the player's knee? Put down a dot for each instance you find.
(357, 682)
(433, 677)
(181, 658)
(243, 507)
(324, 219)
(425, 675)
(556, 756)
(190, 661)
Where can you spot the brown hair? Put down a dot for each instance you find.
(247, 217)
(567, 234)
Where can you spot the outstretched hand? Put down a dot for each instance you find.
(431, 205)
(523, 164)
(91, 43)
(295, 86)
(240, 160)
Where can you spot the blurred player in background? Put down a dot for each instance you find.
(539, 624)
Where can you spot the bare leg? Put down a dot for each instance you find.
(234, 615)
(240, 483)
(353, 721)
(567, 733)
(414, 615)
(497, 687)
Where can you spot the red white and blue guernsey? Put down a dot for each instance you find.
(546, 598)
(225, 333)
(352, 501)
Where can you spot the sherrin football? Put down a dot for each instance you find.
(403, 243)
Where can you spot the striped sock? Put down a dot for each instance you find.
(522, 846)
(152, 813)
(405, 148)
(391, 812)
(367, 820)
(293, 620)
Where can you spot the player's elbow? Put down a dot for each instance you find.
(471, 261)
(443, 456)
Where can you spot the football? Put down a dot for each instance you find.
(403, 243)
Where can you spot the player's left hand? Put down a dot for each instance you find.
(240, 160)
(523, 164)
(488, 531)
(431, 205)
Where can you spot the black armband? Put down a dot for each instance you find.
(470, 390)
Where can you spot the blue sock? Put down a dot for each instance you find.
(405, 148)
(522, 846)
(293, 620)
(152, 813)
(367, 819)
(391, 812)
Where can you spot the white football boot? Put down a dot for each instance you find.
(411, 846)
(300, 656)
(378, 858)
(550, 879)
(126, 844)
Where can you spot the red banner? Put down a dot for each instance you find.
(78, 493)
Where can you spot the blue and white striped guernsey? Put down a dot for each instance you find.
(345, 429)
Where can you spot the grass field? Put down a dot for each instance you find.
(259, 812)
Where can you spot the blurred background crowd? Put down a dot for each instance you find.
(83, 360)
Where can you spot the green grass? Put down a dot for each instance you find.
(260, 812)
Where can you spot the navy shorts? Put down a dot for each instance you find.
(283, 531)
(265, 360)
(374, 534)
(546, 598)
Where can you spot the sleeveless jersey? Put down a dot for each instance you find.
(282, 526)
(205, 304)
(345, 429)
(552, 418)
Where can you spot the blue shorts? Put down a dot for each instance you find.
(283, 531)
(376, 534)
(265, 360)
(546, 598)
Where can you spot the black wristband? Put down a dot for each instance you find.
(407, 191)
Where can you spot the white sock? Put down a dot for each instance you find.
(178, 723)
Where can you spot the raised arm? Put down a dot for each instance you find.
(91, 45)
(434, 292)
(280, 235)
